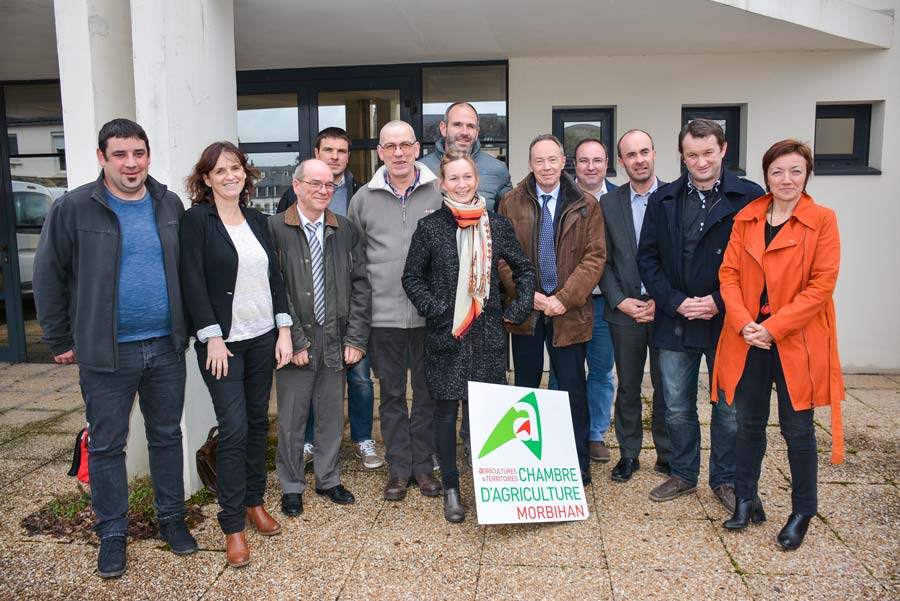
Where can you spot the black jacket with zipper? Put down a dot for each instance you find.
(209, 263)
(76, 273)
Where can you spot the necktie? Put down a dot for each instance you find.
(546, 248)
(318, 271)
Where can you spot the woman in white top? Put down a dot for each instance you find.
(238, 310)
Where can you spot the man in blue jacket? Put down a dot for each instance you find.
(459, 132)
(683, 239)
(108, 298)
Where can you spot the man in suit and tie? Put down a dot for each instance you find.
(629, 309)
(560, 228)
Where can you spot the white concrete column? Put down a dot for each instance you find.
(93, 41)
(185, 97)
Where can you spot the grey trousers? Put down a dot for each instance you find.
(630, 346)
(297, 389)
(407, 432)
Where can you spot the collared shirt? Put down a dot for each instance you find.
(341, 197)
(405, 195)
(599, 192)
(695, 209)
(554, 197)
(320, 231)
(638, 209)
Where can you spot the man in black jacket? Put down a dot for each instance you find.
(108, 298)
(683, 239)
(333, 148)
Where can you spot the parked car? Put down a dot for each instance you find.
(32, 203)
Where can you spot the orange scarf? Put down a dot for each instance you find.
(473, 243)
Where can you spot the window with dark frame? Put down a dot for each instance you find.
(13, 144)
(842, 137)
(729, 117)
(573, 125)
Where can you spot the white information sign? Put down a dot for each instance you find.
(524, 463)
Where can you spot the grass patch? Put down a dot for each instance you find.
(71, 516)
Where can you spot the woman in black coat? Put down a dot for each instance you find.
(238, 310)
(452, 278)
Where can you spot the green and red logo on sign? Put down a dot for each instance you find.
(522, 422)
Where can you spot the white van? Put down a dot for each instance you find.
(32, 202)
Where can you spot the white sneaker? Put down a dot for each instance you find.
(365, 450)
(307, 454)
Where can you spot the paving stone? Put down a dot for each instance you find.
(70, 423)
(575, 544)
(660, 545)
(513, 583)
(39, 445)
(44, 570)
(867, 519)
(14, 508)
(664, 585)
(26, 419)
(287, 578)
(833, 587)
(10, 399)
(13, 469)
(55, 401)
(446, 580)
(869, 381)
(47, 481)
(886, 401)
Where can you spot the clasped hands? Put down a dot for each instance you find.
(698, 307)
(550, 305)
(757, 335)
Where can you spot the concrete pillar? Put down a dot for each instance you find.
(93, 40)
(185, 97)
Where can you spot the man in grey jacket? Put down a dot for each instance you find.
(108, 298)
(324, 271)
(387, 210)
(629, 309)
(459, 132)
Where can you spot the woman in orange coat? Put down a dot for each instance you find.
(777, 280)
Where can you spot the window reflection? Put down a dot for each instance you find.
(267, 118)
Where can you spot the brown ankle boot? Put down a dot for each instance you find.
(236, 552)
(264, 523)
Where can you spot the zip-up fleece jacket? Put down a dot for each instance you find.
(580, 255)
(76, 273)
(387, 227)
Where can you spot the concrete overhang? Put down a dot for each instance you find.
(273, 34)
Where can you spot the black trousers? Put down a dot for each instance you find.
(631, 344)
(567, 363)
(241, 402)
(751, 402)
(445, 440)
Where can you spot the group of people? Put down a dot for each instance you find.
(421, 273)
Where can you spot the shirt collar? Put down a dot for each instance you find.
(691, 187)
(647, 193)
(405, 194)
(554, 193)
(343, 181)
(304, 220)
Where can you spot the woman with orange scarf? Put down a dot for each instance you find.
(777, 280)
(451, 277)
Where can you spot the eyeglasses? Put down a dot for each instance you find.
(315, 184)
(404, 146)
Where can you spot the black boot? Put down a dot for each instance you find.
(746, 511)
(453, 509)
(791, 536)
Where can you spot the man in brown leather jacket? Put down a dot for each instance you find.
(561, 229)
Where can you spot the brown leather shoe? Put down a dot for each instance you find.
(725, 494)
(395, 490)
(236, 552)
(429, 486)
(264, 523)
(598, 451)
(672, 488)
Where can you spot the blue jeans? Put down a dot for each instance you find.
(680, 371)
(156, 373)
(601, 383)
(360, 403)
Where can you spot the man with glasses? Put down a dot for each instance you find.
(459, 132)
(387, 210)
(325, 276)
(560, 227)
(683, 238)
(333, 148)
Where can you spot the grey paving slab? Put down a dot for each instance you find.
(10, 399)
(370, 579)
(831, 587)
(513, 583)
(13, 469)
(664, 545)
(54, 401)
(269, 577)
(39, 445)
(870, 381)
(663, 585)
(26, 418)
(576, 544)
(44, 570)
(45, 482)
